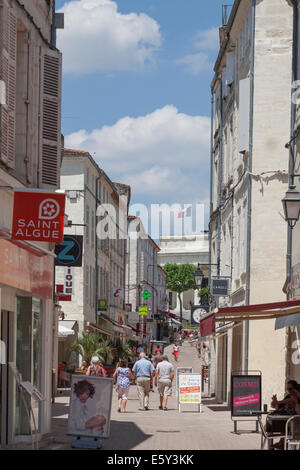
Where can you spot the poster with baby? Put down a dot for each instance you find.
(90, 406)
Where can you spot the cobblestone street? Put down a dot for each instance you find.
(162, 430)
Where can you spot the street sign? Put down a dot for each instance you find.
(69, 251)
(220, 287)
(143, 311)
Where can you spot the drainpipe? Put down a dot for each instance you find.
(246, 330)
(293, 119)
(211, 184)
(96, 250)
(53, 28)
(220, 185)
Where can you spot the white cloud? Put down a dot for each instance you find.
(204, 41)
(196, 63)
(164, 155)
(207, 39)
(99, 38)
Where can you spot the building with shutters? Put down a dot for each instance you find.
(30, 157)
(90, 193)
(145, 283)
(251, 97)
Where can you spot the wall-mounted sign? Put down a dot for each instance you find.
(69, 251)
(245, 394)
(146, 294)
(38, 216)
(220, 287)
(143, 310)
(118, 292)
(102, 304)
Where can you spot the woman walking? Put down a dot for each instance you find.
(175, 351)
(122, 376)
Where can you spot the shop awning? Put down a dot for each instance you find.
(273, 310)
(64, 331)
(100, 330)
(290, 320)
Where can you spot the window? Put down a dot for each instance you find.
(87, 221)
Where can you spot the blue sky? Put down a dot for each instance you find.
(136, 91)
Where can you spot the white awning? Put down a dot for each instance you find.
(64, 331)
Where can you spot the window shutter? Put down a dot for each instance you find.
(8, 58)
(244, 110)
(50, 119)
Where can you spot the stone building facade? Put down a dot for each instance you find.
(90, 195)
(249, 166)
(30, 157)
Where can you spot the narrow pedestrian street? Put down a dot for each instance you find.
(158, 430)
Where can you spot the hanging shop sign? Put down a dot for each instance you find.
(102, 304)
(69, 251)
(69, 281)
(245, 394)
(38, 216)
(220, 287)
(143, 310)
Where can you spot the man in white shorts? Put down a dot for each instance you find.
(164, 376)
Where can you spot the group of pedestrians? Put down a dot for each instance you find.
(143, 373)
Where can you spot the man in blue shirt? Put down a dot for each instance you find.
(143, 370)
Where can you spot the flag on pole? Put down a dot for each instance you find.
(187, 212)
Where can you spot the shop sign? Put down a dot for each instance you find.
(38, 216)
(143, 311)
(69, 251)
(69, 281)
(220, 287)
(245, 394)
(25, 270)
(102, 304)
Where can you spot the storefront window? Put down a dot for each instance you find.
(28, 358)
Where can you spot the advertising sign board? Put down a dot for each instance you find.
(189, 390)
(90, 406)
(182, 370)
(245, 394)
(220, 287)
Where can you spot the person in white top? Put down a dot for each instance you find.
(164, 376)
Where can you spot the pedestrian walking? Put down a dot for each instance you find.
(164, 376)
(176, 351)
(143, 371)
(122, 376)
(96, 369)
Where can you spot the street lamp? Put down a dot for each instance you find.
(199, 276)
(291, 206)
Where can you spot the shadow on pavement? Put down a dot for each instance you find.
(219, 408)
(124, 436)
